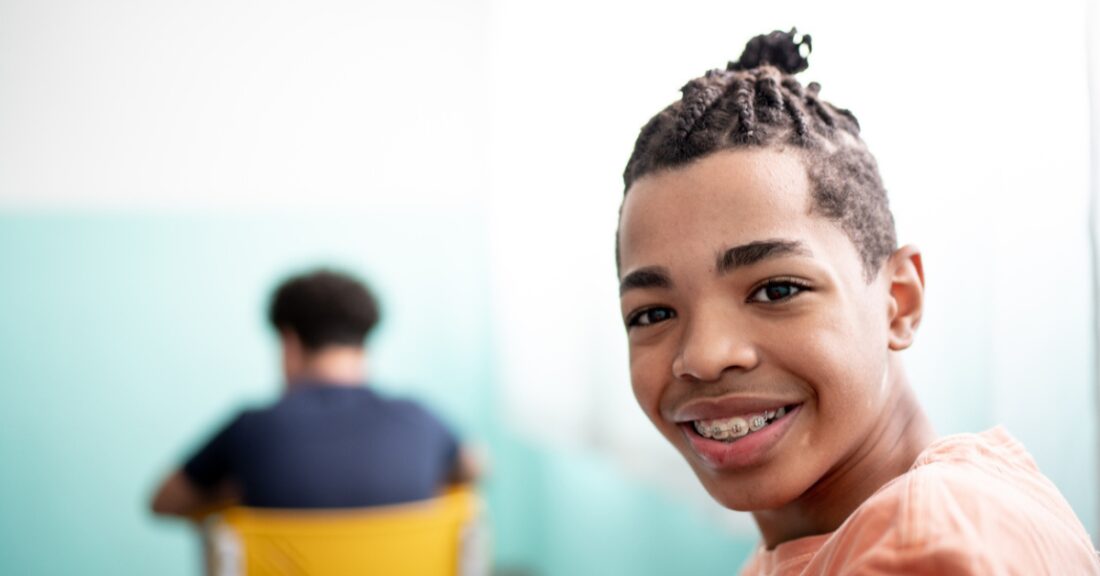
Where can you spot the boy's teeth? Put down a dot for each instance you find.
(736, 427)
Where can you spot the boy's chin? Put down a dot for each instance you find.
(746, 494)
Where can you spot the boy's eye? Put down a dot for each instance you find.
(776, 291)
(651, 316)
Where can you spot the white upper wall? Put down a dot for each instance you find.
(236, 104)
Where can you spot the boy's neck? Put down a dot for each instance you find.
(333, 365)
(891, 448)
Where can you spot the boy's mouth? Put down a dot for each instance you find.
(730, 429)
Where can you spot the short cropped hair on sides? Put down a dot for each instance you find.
(757, 102)
(324, 308)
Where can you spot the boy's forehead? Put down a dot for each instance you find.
(727, 198)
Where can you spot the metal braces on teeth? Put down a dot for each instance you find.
(737, 427)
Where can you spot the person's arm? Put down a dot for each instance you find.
(204, 483)
(178, 496)
(469, 465)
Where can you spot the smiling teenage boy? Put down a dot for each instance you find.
(766, 303)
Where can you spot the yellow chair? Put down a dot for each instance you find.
(442, 536)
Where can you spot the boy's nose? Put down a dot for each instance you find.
(711, 346)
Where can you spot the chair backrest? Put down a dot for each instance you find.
(430, 537)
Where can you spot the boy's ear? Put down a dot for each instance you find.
(905, 273)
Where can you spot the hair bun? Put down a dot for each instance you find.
(778, 49)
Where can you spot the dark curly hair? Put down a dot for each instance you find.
(324, 308)
(757, 102)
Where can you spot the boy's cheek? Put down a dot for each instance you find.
(646, 395)
(647, 384)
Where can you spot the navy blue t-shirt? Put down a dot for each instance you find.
(329, 447)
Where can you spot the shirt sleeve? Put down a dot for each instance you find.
(450, 449)
(447, 441)
(959, 519)
(941, 559)
(213, 462)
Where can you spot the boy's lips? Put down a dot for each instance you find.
(741, 452)
(726, 407)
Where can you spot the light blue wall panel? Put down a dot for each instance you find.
(125, 340)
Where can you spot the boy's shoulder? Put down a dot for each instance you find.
(971, 503)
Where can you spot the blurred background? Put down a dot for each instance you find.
(164, 164)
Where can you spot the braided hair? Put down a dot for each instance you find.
(757, 102)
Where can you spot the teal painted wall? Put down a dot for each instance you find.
(126, 339)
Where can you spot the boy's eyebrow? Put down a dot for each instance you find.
(648, 277)
(753, 252)
(736, 257)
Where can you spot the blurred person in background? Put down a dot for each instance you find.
(329, 441)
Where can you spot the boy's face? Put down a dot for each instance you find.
(746, 312)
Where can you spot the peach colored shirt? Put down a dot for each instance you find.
(971, 504)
